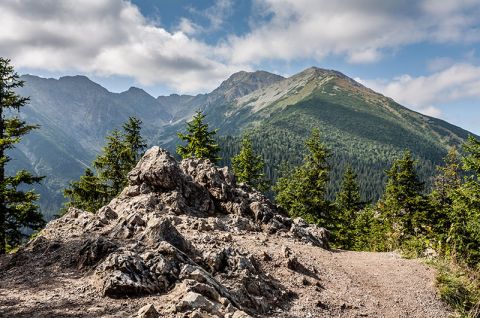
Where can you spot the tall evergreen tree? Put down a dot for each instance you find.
(88, 193)
(17, 207)
(348, 199)
(134, 141)
(348, 202)
(118, 157)
(113, 164)
(464, 233)
(445, 186)
(248, 166)
(447, 179)
(303, 192)
(200, 140)
(403, 205)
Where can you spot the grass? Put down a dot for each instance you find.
(459, 288)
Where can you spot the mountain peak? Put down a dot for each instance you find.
(136, 91)
(242, 83)
(248, 77)
(80, 81)
(314, 71)
(76, 78)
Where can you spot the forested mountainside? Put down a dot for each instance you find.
(361, 127)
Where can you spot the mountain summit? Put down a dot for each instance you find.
(243, 83)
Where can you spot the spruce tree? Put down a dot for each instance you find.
(447, 179)
(464, 233)
(303, 192)
(134, 141)
(403, 204)
(118, 157)
(17, 207)
(248, 166)
(446, 184)
(200, 140)
(348, 199)
(348, 202)
(113, 164)
(88, 193)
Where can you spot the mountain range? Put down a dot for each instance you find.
(362, 128)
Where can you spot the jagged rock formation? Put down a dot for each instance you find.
(147, 241)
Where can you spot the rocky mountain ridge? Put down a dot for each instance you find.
(75, 114)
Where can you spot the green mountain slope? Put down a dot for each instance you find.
(361, 127)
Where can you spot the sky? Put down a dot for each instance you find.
(425, 54)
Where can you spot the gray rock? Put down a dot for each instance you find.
(94, 250)
(193, 301)
(157, 169)
(148, 311)
(313, 234)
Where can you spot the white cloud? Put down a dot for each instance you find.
(358, 30)
(216, 15)
(111, 37)
(106, 37)
(424, 93)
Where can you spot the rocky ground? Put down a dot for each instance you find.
(183, 240)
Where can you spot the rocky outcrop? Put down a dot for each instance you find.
(169, 232)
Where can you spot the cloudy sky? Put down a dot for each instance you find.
(423, 53)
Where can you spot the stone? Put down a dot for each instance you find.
(287, 251)
(157, 169)
(313, 234)
(125, 274)
(194, 301)
(163, 230)
(137, 244)
(148, 311)
(94, 250)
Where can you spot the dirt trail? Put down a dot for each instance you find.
(322, 283)
(385, 285)
(356, 284)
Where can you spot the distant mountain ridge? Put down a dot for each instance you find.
(360, 125)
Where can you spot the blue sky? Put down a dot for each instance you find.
(425, 54)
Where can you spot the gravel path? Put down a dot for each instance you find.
(353, 284)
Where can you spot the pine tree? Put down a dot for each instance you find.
(113, 164)
(447, 180)
(17, 207)
(134, 141)
(248, 166)
(446, 184)
(200, 141)
(348, 203)
(464, 233)
(403, 204)
(88, 193)
(303, 192)
(348, 199)
(118, 157)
